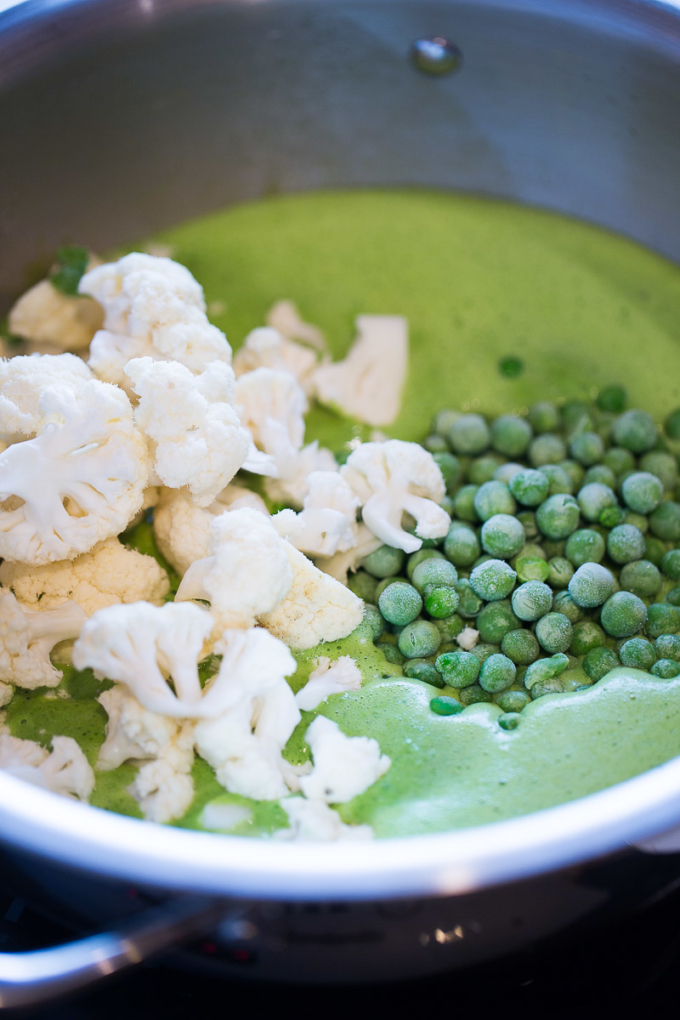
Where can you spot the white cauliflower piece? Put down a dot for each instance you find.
(246, 576)
(142, 646)
(162, 792)
(182, 529)
(27, 638)
(197, 438)
(152, 307)
(368, 383)
(243, 743)
(467, 639)
(65, 770)
(344, 767)
(317, 607)
(291, 483)
(314, 820)
(110, 573)
(327, 679)
(23, 380)
(339, 565)
(327, 523)
(394, 478)
(267, 348)
(45, 315)
(285, 319)
(77, 483)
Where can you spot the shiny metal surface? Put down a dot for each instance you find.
(436, 56)
(118, 117)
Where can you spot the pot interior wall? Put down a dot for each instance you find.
(117, 119)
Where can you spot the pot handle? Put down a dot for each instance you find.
(27, 979)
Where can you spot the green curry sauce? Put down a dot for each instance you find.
(479, 281)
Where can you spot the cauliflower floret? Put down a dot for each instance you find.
(140, 645)
(285, 319)
(344, 767)
(317, 607)
(291, 483)
(24, 379)
(162, 792)
(153, 307)
(28, 637)
(327, 679)
(77, 483)
(267, 348)
(368, 384)
(182, 529)
(247, 574)
(327, 523)
(44, 315)
(244, 742)
(339, 565)
(394, 478)
(65, 771)
(314, 820)
(197, 438)
(467, 639)
(105, 576)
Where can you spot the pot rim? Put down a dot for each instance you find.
(443, 864)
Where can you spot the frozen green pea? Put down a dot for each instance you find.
(554, 632)
(363, 585)
(450, 467)
(636, 431)
(599, 474)
(655, 550)
(493, 580)
(391, 653)
(612, 398)
(474, 695)
(521, 646)
(423, 669)
(461, 546)
(502, 536)
(673, 596)
(497, 674)
(585, 546)
(528, 521)
(374, 620)
(433, 571)
(545, 669)
(464, 503)
(577, 416)
(444, 705)
(564, 603)
(637, 520)
(509, 720)
(513, 701)
(665, 521)
(642, 578)
(619, 460)
(440, 601)
(559, 481)
(469, 435)
(531, 600)
(511, 435)
(469, 603)
(587, 448)
(507, 471)
(663, 465)
(495, 620)
(400, 603)
(435, 443)
(443, 420)
(546, 449)
(553, 549)
(483, 469)
(672, 424)
(670, 564)
(419, 557)
(561, 572)
(611, 516)
(575, 472)
(543, 417)
(529, 487)
(598, 662)
(593, 498)
(667, 646)
(642, 492)
(637, 653)
(552, 686)
(557, 517)
(482, 651)
(666, 669)
(623, 614)
(381, 585)
(625, 543)
(419, 640)
(493, 498)
(458, 669)
(587, 635)
(449, 627)
(532, 568)
(662, 618)
(384, 562)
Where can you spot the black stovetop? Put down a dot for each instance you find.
(633, 965)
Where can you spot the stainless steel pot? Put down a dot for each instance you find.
(118, 117)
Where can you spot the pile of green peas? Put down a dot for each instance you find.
(563, 556)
